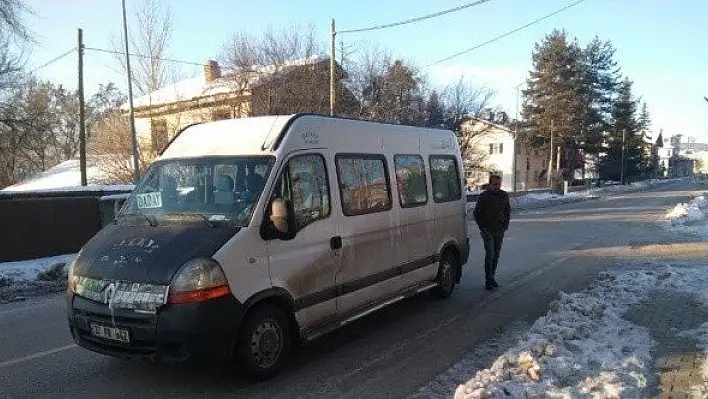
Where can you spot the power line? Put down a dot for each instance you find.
(144, 56)
(504, 34)
(53, 60)
(409, 21)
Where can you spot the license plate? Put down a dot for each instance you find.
(110, 333)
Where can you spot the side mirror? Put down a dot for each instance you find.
(280, 222)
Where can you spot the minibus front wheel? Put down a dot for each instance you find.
(447, 275)
(265, 341)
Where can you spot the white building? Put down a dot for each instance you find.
(490, 150)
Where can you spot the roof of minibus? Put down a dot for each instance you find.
(243, 136)
(265, 135)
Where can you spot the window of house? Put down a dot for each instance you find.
(220, 114)
(445, 177)
(496, 148)
(304, 182)
(410, 178)
(363, 184)
(158, 134)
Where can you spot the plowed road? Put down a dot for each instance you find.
(388, 354)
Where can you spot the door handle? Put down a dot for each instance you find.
(335, 243)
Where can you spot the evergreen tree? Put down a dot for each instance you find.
(555, 92)
(554, 98)
(434, 111)
(600, 81)
(649, 162)
(625, 131)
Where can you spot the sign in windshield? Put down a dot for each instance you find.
(214, 189)
(149, 200)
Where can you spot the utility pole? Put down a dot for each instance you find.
(333, 35)
(550, 159)
(136, 164)
(516, 137)
(622, 166)
(82, 115)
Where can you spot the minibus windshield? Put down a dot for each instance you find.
(214, 190)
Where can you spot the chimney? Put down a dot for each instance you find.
(211, 71)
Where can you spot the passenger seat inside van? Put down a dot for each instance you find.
(224, 192)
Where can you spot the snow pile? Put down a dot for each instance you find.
(42, 275)
(66, 177)
(689, 218)
(583, 347)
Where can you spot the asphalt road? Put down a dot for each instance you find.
(389, 354)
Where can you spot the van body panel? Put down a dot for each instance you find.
(306, 266)
(245, 263)
(368, 270)
(146, 254)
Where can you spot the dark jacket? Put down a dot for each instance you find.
(493, 211)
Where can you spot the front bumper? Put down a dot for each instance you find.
(204, 331)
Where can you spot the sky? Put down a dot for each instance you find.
(660, 43)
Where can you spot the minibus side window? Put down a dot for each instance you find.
(445, 177)
(410, 178)
(304, 182)
(363, 184)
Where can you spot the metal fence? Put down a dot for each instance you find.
(34, 225)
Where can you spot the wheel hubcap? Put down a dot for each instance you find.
(266, 343)
(446, 277)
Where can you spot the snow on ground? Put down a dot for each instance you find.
(546, 199)
(65, 177)
(582, 347)
(40, 275)
(29, 269)
(690, 218)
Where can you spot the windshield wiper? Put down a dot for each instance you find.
(199, 215)
(152, 221)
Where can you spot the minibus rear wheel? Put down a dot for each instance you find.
(265, 341)
(447, 275)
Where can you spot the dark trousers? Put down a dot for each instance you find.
(492, 248)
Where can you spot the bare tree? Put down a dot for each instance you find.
(281, 72)
(373, 61)
(13, 33)
(150, 41)
(463, 104)
(13, 138)
(110, 149)
(11, 18)
(242, 57)
(462, 100)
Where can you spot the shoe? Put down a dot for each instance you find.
(489, 286)
(495, 284)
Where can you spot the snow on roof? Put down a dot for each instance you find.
(65, 177)
(187, 89)
(197, 87)
(490, 123)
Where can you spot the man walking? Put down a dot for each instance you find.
(492, 212)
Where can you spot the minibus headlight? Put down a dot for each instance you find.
(198, 280)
